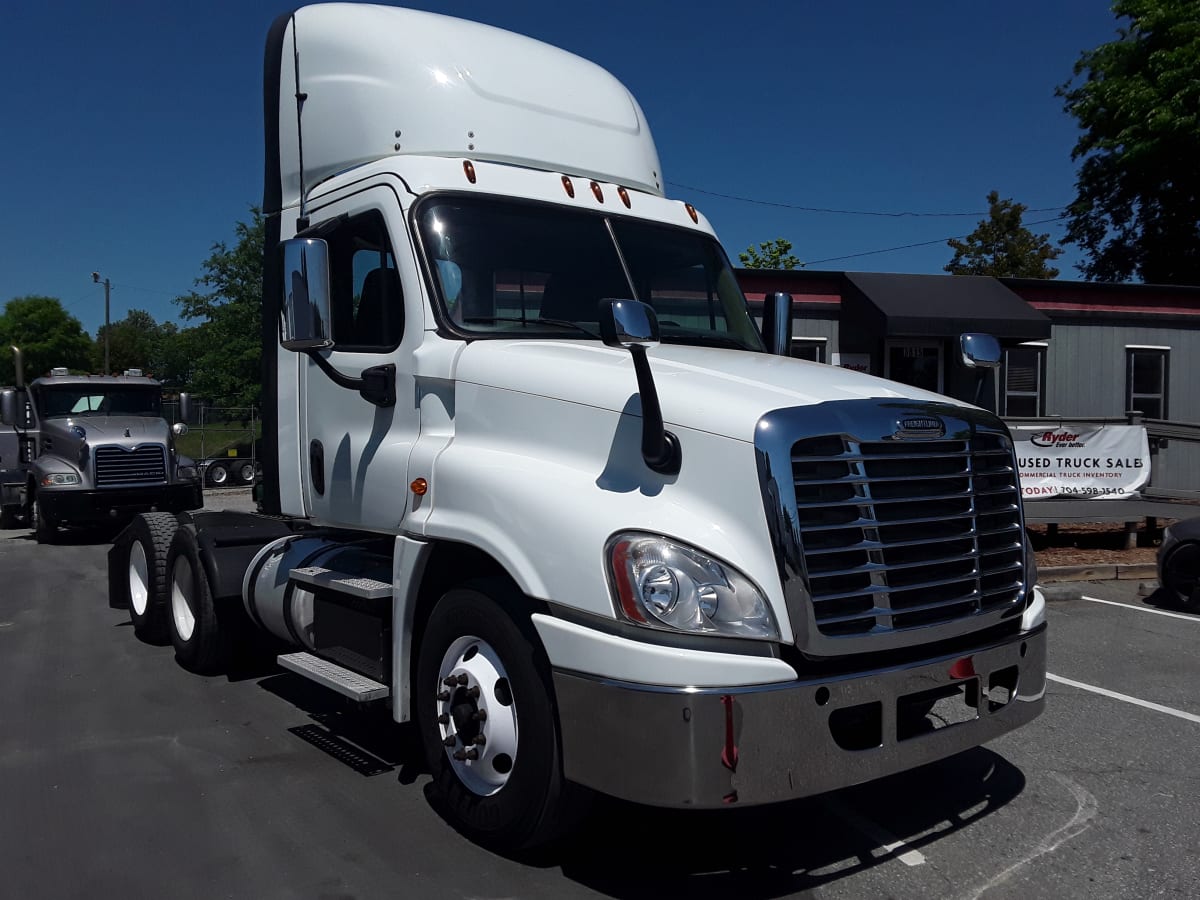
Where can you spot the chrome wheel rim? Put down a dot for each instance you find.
(183, 608)
(477, 715)
(139, 579)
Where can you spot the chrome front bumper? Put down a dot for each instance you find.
(750, 745)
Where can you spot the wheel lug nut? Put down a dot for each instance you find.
(462, 679)
(473, 692)
(444, 719)
(443, 696)
(449, 740)
(463, 755)
(479, 740)
(450, 681)
(480, 715)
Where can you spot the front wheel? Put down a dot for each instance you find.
(45, 529)
(487, 721)
(1181, 575)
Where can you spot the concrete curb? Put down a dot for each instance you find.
(1123, 572)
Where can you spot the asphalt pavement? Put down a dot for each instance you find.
(122, 775)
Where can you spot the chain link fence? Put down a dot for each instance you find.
(222, 439)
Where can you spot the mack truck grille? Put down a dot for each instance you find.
(118, 466)
(898, 534)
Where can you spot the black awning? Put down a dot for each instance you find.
(942, 306)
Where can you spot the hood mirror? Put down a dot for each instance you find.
(979, 351)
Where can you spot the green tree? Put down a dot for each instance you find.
(776, 254)
(1001, 246)
(226, 350)
(1136, 212)
(47, 335)
(138, 341)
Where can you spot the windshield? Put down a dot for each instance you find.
(95, 400)
(505, 267)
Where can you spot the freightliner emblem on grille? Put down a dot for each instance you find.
(920, 427)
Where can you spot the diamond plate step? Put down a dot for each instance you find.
(355, 586)
(331, 675)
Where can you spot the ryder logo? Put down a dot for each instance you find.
(1057, 439)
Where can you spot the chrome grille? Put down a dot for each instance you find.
(143, 465)
(899, 534)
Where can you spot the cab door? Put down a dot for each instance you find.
(355, 451)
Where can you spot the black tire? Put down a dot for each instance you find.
(514, 803)
(145, 584)
(200, 645)
(8, 518)
(45, 529)
(216, 474)
(245, 472)
(1181, 575)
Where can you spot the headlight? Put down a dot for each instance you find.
(662, 584)
(48, 480)
(186, 473)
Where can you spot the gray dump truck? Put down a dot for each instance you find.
(91, 449)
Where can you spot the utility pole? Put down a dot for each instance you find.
(96, 279)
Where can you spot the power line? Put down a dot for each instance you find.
(849, 212)
(911, 246)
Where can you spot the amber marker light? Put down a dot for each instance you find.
(419, 486)
(568, 187)
(599, 194)
(692, 212)
(469, 168)
(624, 195)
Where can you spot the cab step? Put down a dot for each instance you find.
(341, 583)
(331, 675)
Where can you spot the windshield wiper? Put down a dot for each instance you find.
(565, 323)
(708, 340)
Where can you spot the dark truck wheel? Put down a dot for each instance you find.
(487, 721)
(200, 645)
(245, 473)
(217, 474)
(147, 584)
(45, 529)
(8, 517)
(1181, 575)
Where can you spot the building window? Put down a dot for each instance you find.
(809, 348)
(1146, 380)
(918, 363)
(1024, 377)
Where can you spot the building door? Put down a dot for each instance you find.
(915, 362)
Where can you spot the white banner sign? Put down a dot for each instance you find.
(1103, 462)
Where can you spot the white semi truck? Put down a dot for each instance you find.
(534, 479)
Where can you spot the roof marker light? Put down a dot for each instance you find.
(599, 194)
(469, 168)
(568, 187)
(624, 195)
(691, 210)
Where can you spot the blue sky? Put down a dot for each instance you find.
(133, 130)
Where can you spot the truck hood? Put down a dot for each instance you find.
(720, 391)
(112, 429)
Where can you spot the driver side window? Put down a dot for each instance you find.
(367, 301)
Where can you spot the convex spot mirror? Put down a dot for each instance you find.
(628, 323)
(979, 351)
(306, 318)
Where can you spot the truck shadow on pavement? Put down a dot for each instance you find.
(775, 851)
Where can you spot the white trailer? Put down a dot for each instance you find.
(533, 477)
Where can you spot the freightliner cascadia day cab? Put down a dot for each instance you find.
(538, 485)
(93, 449)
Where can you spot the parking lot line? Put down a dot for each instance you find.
(1157, 612)
(1157, 707)
(888, 843)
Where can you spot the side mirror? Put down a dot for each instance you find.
(777, 323)
(979, 351)
(8, 408)
(306, 316)
(179, 429)
(185, 407)
(628, 323)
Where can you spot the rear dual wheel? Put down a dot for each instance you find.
(200, 644)
(485, 712)
(146, 585)
(1181, 575)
